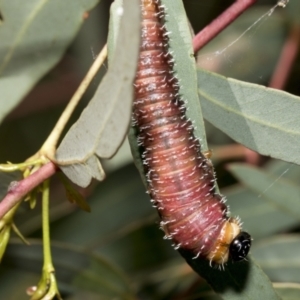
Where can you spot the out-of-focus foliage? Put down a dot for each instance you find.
(31, 43)
(121, 232)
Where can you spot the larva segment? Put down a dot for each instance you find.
(180, 179)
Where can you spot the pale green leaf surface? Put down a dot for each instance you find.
(114, 27)
(243, 280)
(114, 24)
(257, 214)
(103, 124)
(288, 291)
(185, 68)
(281, 193)
(263, 119)
(34, 37)
(283, 169)
(279, 257)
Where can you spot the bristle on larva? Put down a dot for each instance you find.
(180, 178)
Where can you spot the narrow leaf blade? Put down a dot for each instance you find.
(279, 256)
(263, 119)
(33, 40)
(103, 124)
(281, 193)
(243, 280)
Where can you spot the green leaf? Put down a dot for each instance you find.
(279, 257)
(103, 124)
(281, 193)
(283, 169)
(75, 270)
(257, 214)
(288, 291)
(263, 119)
(243, 280)
(33, 40)
(185, 68)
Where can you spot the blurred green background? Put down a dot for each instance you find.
(117, 251)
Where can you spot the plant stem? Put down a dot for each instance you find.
(221, 22)
(48, 266)
(287, 58)
(49, 146)
(19, 189)
(15, 167)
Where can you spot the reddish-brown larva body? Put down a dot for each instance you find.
(180, 179)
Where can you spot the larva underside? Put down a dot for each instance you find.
(180, 179)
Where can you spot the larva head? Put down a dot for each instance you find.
(240, 246)
(232, 243)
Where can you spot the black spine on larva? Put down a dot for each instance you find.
(180, 179)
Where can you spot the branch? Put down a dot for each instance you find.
(19, 189)
(49, 145)
(287, 58)
(221, 22)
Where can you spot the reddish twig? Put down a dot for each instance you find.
(221, 22)
(17, 190)
(287, 58)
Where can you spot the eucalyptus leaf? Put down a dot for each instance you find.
(281, 193)
(280, 257)
(243, 280)
(263, 119)
(257, 214)
(283, 169)
(103, 124)
(288, 291)
(33, 39)
(180, 41)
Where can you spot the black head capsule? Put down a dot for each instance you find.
(240, 246)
